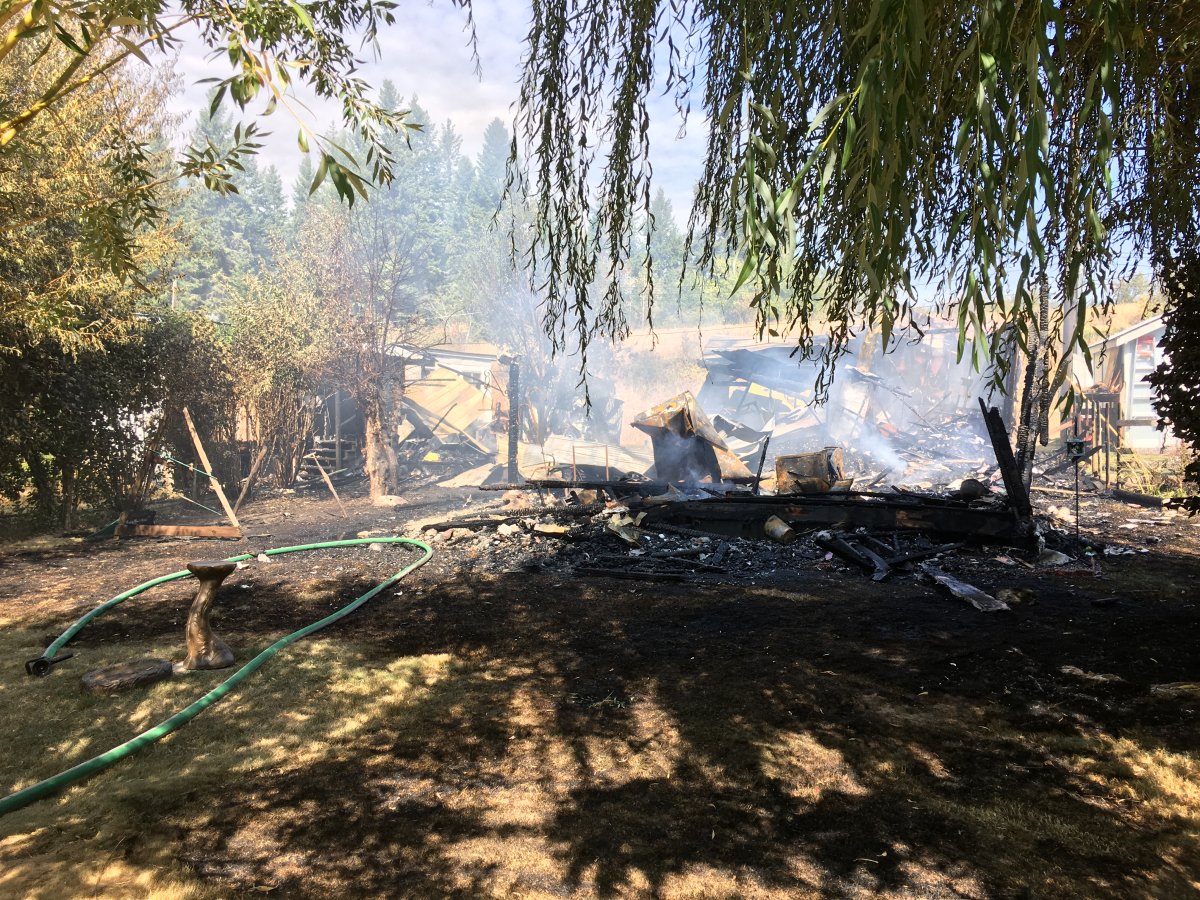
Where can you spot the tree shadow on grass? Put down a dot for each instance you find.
(665, 740)
(597, 739)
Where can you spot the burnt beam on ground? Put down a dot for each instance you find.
(724, 516)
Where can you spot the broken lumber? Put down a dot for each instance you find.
(839, 547)
(216, 484)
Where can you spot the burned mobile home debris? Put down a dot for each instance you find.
(690, 518)
(876, 480)
(901, 468)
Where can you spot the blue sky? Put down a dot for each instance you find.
(426, 54)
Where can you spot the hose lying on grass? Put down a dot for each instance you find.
(75, 773)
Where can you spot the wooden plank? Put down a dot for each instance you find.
(258, 461)
(210, 531)
(216, 485)
(329, 484)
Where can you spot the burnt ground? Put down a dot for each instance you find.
(804, 733)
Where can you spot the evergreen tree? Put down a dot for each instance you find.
(491, 167)
(229, 234)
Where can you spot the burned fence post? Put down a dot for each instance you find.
(1014, 484)
(514, 417)
(762, 458)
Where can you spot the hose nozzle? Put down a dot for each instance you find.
(43, 664)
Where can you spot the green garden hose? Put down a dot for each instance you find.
(95, 764)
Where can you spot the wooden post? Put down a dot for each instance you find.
(1018, 494)
(514, 419)
(245, 492)
(329, 484)
(216, 485)
(761, 460)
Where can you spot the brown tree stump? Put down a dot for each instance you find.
(204, 649)
(127, 675)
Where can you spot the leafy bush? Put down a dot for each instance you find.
(86, 428)
(1177, 379)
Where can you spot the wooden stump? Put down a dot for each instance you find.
(127, 675)
(204, 649)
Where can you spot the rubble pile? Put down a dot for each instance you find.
(751, 481)
(614, 541)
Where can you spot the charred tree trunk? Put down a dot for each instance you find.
(1034, 399)
(380, 402)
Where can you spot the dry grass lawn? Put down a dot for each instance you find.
(527, 735)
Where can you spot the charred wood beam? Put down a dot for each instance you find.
(855, 553)
(761, 460)
(882, 569)
(838, 547)
(1001, 525)
(514, 418)
(875, 544)
(915, 555)
(1014, 484)
(1137, 499)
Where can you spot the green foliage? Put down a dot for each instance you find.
(269, 44)
(84, 428)
(230, 234)
(71, 215)
(281, 353)
(1177, 380)
(866, 157)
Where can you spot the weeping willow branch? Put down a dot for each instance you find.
(871, 162)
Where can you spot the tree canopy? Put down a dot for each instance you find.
(269, 44)
(869, 159)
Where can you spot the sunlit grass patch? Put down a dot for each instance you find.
(311, 701)
(1113, 810)
(1155, 781)
(806, 768)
